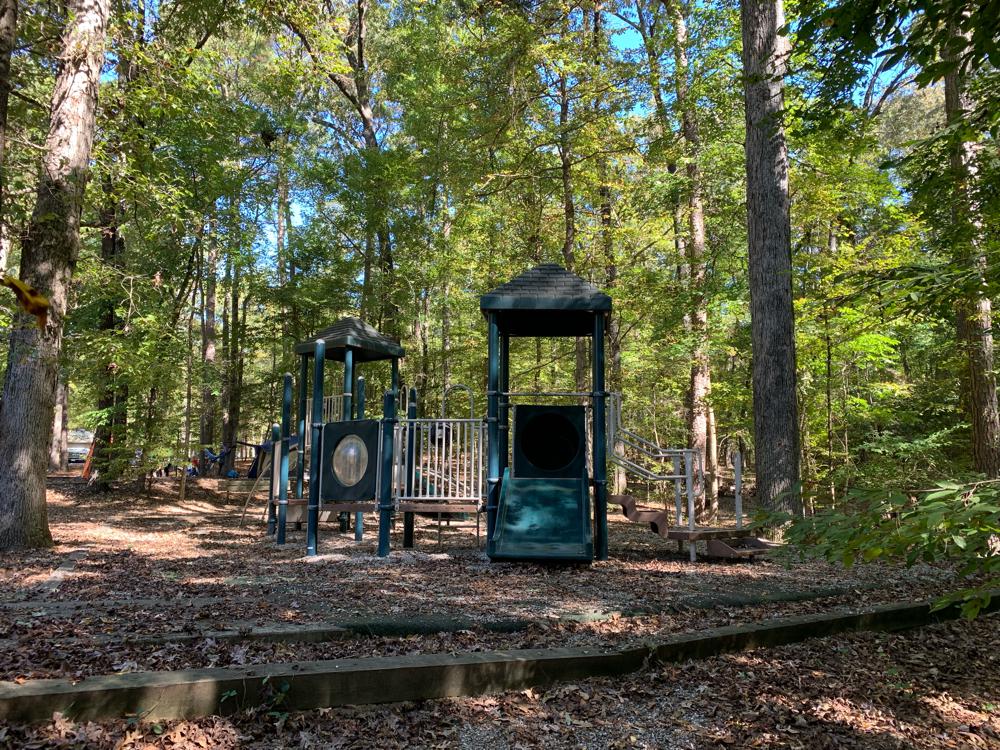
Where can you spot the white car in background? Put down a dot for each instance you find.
(78, 445)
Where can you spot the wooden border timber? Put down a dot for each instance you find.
(202, 692)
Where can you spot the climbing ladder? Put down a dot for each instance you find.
(680, 466)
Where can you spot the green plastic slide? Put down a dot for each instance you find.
(543, 519)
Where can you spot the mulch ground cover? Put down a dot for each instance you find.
(154, 565)
(936, 687)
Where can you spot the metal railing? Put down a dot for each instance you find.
(440, 460)
(678, 465)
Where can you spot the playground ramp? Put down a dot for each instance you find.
(722, 542)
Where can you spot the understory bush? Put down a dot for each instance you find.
(953, 521)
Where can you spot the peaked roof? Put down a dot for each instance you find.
(546, 287)
(367, 343)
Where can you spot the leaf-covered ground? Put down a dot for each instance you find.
(128, 573)
(937, 687)
(153, 566)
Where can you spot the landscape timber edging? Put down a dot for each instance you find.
(307, 685)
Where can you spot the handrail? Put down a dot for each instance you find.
(642, 471)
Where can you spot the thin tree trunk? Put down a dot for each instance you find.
(48, 257)
(832, 250)
(700, 384)
(974, 314)
(234, 361)
(59, 447)
(712, 450)
(110, 439)
(209, 399)
(8, 37)
(282, 228)
(111, 404)
(188, 402)
(148, 427)
(365, 308)
(772, 322)
(423, 336)
(569, 221)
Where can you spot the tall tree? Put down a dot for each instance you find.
(974, 309)
(48, 258)
(353, 77)
(209, 398)
(700, 425)
(8, 37)
(775, 410)
(954, 42)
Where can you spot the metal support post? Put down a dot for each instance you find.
(504, 403)
(300, 476)
(493, 428)
(385, 486)
(408, 516)
(286, 426)
(272, 492)
(600, 444)
(678, 490)
(359, 518)
(316, 457)
(689, 478)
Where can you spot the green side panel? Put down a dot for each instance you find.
(543, 519)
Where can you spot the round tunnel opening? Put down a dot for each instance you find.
(550, 441)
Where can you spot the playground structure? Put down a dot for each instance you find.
(544, 493)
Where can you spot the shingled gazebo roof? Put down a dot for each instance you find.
(368, 344)
(546, 300)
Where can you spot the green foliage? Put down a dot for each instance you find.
(956, 522)
(211, 112)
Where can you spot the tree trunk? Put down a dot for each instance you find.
(8, 37)
(59, 447)
(974, 314)
(701, 379)
(281, 255)
(110, 439)
(234, 360)
(569, 221)
(209, 399)
(112, 399)
(772, 322)
(188, 403)
(48, 258)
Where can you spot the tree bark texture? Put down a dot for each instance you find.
(48, 259)
(974, 312)
(775, 409)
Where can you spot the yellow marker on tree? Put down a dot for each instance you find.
(30, 299)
